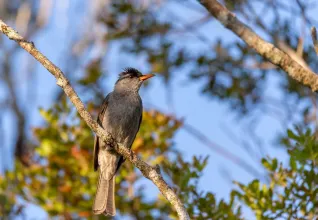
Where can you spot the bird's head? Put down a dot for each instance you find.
(130, 80)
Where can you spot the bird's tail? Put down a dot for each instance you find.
(105, 197)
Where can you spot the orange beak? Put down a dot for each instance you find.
(145, 77)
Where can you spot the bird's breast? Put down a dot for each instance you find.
(122, 117)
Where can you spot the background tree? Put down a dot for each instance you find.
(53, 162)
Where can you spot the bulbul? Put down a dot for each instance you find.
(120, 115)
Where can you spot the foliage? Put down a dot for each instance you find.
(292, 191)
(200, 204)
(7, 199)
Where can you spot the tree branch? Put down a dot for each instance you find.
(148, 171)
(265, 49)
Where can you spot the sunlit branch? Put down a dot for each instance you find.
(262, 47)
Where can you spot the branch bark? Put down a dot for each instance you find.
(262, 47)
(152, 173)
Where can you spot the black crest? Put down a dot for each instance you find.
(132, 72)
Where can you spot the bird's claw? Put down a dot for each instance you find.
(157, 168)
(131, 155)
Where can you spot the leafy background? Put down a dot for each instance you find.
(235, 137)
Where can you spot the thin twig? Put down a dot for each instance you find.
(148, 171)
(220, 150)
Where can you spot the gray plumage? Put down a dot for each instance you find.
(121, 115)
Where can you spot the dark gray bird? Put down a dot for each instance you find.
(120, 115)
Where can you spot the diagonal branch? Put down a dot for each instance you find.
(152, 173)
(262, 47)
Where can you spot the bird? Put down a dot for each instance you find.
(120, 114)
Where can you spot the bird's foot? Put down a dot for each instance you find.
(157, 168)
(131, 155)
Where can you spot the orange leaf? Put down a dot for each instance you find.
(84, 214)
(65, 188)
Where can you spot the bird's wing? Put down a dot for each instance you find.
(100, 117)
(122, 159)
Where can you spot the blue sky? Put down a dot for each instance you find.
(207, 115)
